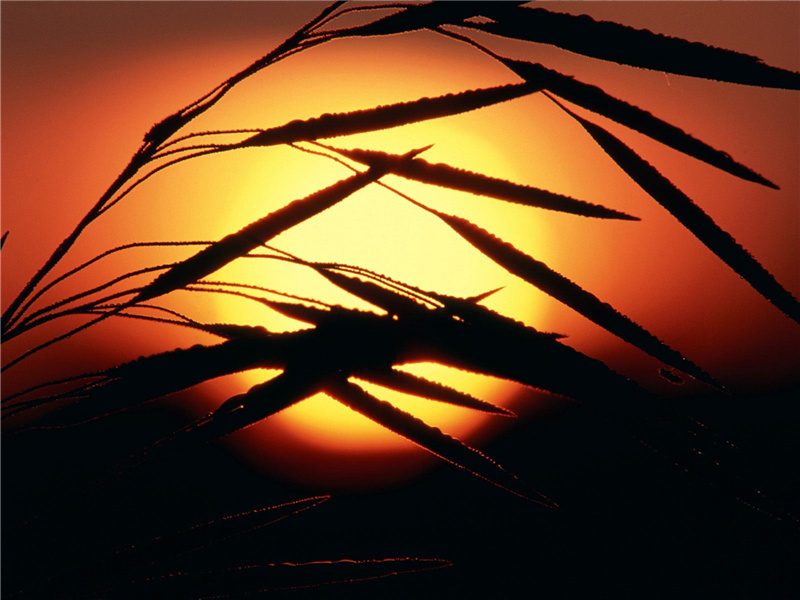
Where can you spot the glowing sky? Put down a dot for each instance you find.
(81, 83)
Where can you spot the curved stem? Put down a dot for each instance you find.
(136, 163)
(261, 289)
(354, 9)
(154, 138)
(90, 262)
(144, 178)
(46, 314)
(189, 136)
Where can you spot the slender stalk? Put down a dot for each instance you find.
(153, 140)
(45, 314)
(139, 159)
(91, 261)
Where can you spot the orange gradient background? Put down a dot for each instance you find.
(82, 82)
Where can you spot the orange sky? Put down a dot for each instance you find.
(81, 83)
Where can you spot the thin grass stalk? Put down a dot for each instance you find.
(91, 261)
(447, 176)
(406, 383)
(252, 236)
(46, 313)
(431, 439)
(156, 136)
(692, 217)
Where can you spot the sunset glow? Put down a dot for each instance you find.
(71, 122)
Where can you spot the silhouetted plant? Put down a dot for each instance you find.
(414, 325)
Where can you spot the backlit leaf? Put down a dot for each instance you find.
(637, 47)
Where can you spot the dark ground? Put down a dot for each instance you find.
(629, 525)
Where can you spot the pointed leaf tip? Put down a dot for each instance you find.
(637, 47)
(568, 292)
(598, 101)
(446, 176)
(693, 218)
(418, 151)
(406, 383)
(481, 297)
(431, 439)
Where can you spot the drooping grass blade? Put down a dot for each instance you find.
(385, 117)
(392, 302)
(494, 346)
(254, 580)
(430, 438)
(636, 47)
(566, 291)
(691, 216)
(595, 99)
(406, 383)
(252, 236)
(240, 411)
(157, 375)
(475, 183)
(200, 535)
(154, 554)
(260, 402)
(426, 16)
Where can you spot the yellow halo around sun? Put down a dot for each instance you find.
(374, 228)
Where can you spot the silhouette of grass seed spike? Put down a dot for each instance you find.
(430, 438)
(385, 117)
(637, 47)
(595, 99)
(691, 216)
(252, 236)
(562, 289)
(450, 177)
(406, 383)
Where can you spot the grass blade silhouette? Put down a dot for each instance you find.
(260, 401)
(691, 216)
(298, 312)
(231, 331)
(161, 374)
(257, 579)
(637, 47)
(406, 383)
(595, 99)
(475, 183)
(252, 236)
(430, 438)
(392, 302)
(426, 16)
(385, 117)
(566, 291)
(315, 316)
(200, 535)
(150, 554)
(508, 351)
(240, 411)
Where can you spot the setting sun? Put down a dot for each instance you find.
(500, 295)
(211, 196)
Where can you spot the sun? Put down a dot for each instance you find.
(642, 270)
(379, 230)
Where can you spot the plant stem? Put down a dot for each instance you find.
(138, 160)
(159, 134)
